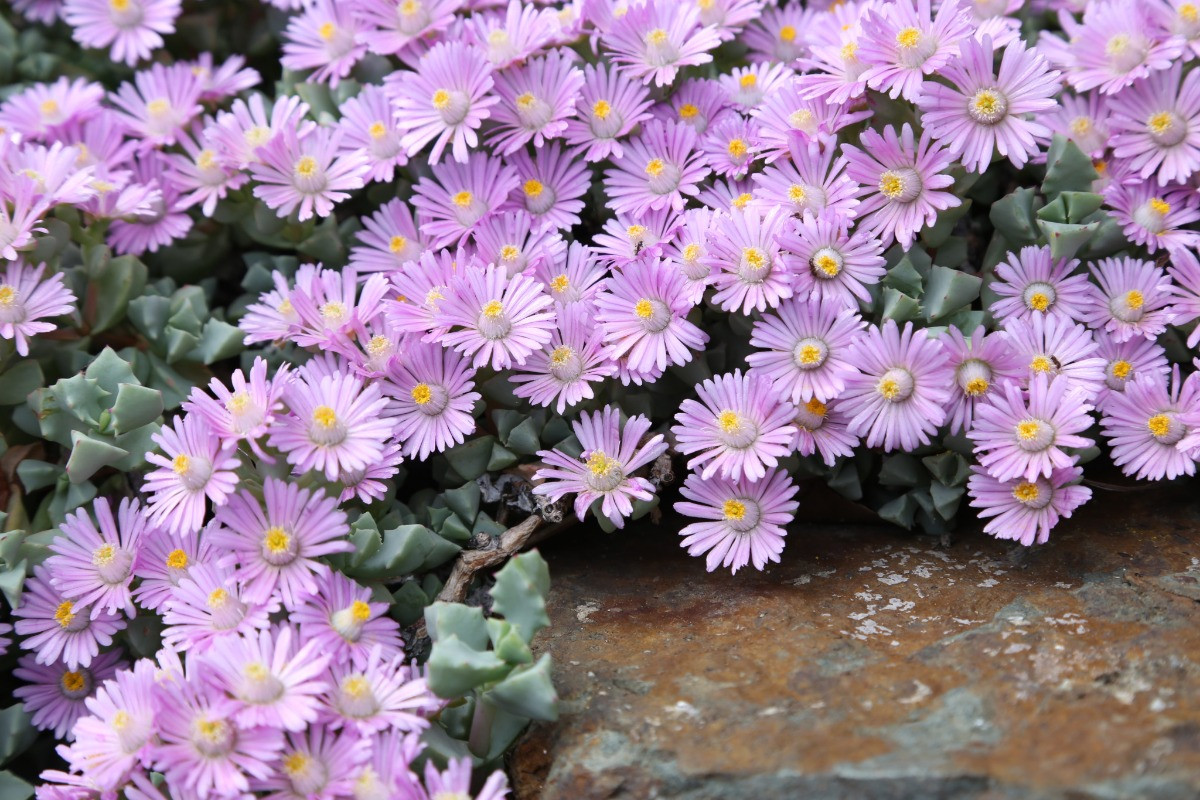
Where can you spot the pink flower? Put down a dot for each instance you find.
(133, 29)
(655, 170)
(25, 299)
(655, 38)
(743, 521)
(193, 469)
(306, 173)
(323, 37)
(1026, 510)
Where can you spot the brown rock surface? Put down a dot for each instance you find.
(875, 664)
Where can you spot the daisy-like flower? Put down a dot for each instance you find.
(1060, 349)
(980, 364)
(367, 124)
(245, 412)
(57, 628)
(19, 217)
(1082, 118)
(779, 33)
(831, 265)
(824, 428)
(44, 109)
(395, 26)
(420, 287)
(1126, 361)
(985, 110)
(550, 185)
(1019, 436)
(192, 469)
(306, 172)
(131, 29)
(1031, 284)
(805, 346)
(1130, 298)
(163, 221)
(55, 696)
(200, 176)
(731, 147)
(1145, 423)
(643, 312)
(729, 195)
(445, 101)
(163, 560)
(575, 281)
(501, 320)
(748, 270)
(335, 425)
(324, 37)
(116, 735)
(698, 103)
(456, 197)
(561, 375)
(277, 680)
(513, 241)
(535, 101)
(388, 241)
(899, 398)
(344, 622)
(44, 11)
(836, 72)
(522, 30)
(744, 521)
(159, 104)
(218, 82)
(904, 41)
(901, 181)
(1116, 43)
(610, 105)
(274, 317)
(455, 782)
(787, 120)
(207, 606)
(689, 250)
(630, 238)
(1156, 125)
(377, 694)
(655, 170)
(739, 427)
(603, 471)
(654, 39)
(26, 300)
(201, 750)
(1155, 217)
(317, 763)
(247, 126)
(332, 307)
(433, 399)
(1026, 510)
(276, 548)
(93, 561)
(728, 17)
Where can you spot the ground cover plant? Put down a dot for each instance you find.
(315, 315)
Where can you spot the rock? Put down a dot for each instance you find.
(872, 663)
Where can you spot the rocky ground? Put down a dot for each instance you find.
(876, 664)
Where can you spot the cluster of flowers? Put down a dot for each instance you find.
(317, 703)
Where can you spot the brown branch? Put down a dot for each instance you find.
(471, 561)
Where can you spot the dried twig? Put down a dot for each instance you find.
(511, 542)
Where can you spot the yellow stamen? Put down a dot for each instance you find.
(493, 309)
(526, 101)
(1188, 13)
(601, 109)
(560, 283)
(324, 416)
(656, 37)
(441, 99)
(180, 464)
(1117, 44)
(206, 159)
(360, 611)
(103, 555)
(734, 510)
(560, 355)
(1160, 206)
(976, 387)
(1081, 126)
(908, 38)
(377, 130)
(120, 720)
(397, 243)
(787, 33)
(156, 108)
(691, 253)
(643, 308)
(729, 421)
(754, 257)
(510, 253)
(1121, 369)
(177, 559)
(827, 264)
(295, 762)
(1134, 299)
(72, 681)
(635, 231)
(810, 354)
(1039, 301)
(601, 464)
(217, 598)
(815, 406)
(421, 394)
(306, 166)
(533, 188)
(327, 30)
(1159, 424)
(462, 199)
(889, 388)
(654, 167)
(742, 200)
(1160, 123)
(749, 80)
(688, 111)
(1040, 364)
(891, 184)
(1026, 492)
(276, 540)
(64, 615)
(1028, 429)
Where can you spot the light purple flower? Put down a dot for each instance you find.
(163, 560)
(602, 472)
(244, 412)
(395, 26)
(25, 300)
(654, 39)
(550, 185)
(1156, 125)
(54, 696)
(830, 264)
(324, 37)
(804, 349)
(501, 320)
(980, 363)
(1155, 217)
(610, 105)
(368, 125)
(207, 606)
(748, 269)
(1031, 283)
(248, 125)
(433, 399)
(561, 374)
(453, 200)
(305, 173)
(744, 521)
(1026, 510)
(192, 469)
(1059, 348)
(159, 104)
(655, 170)
(116, 735)
(93, 561)
(317, 764)
(57, 628)
(1130, 298)
(1146, 423)
(824, 428)
(388, 241)
(535, 101)
(378, 694)
(904, 41)
(345, 623)
(132, 29)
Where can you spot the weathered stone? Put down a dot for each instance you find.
(873, 664)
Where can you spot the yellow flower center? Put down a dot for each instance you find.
(214, 730)
(1187, 13)
(120, 720)
(177, 559)
(749, 80)
(1117, 44)
(643, 308)
(526, 101)
(810, 354)
(986, 102)
(654, 167)
(533, 187)
(1159, 424)
(1026, 492)
(754, 257)
(1160, 123)
(64, 615)
(1040, 364)
(891, 184)
(118, 5)
(217, 598)
(691, 253)
(103, 555)
(635, 231)
(1028, 429)
(976, 387)
(1121, 369)
(601, 109)
(379, 345)
(1134, 299)
(49, 107)
(462, 199)
(276, 540)
(180, 464)
(560, 355)
(908, 38)
(493, 309)
(377, 130)
(510, 253)
(306, 166)
(734, 510)
(796, 193)
(327, 30)
(656, 37)
(1081, 126)
(421, 394)
(560, 283)
(815, 406)
(742, 200)
(688, 111)
(787, 33)
(207, 159)
(889, 388)
(441, 99)
(1038, 301)
(285, 307)
(729, 421)
(72, 681)
(737, 148)
(295, 762)
(850, 51)
(156, 108)
(397, 243)
(601, 464)
(324, 416)
(360, 611)
(827, 264)
(409, 7)
(1160, 206)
